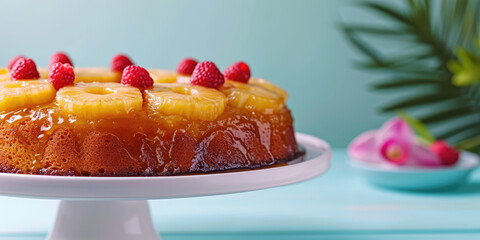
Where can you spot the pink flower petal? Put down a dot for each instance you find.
(423, 156)
(395, 151)
(395, 128)
(363, 147)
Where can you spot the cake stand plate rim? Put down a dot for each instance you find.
(316, 162)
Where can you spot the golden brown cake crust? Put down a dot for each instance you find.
(43, 140)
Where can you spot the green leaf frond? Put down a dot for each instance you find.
(441, 74)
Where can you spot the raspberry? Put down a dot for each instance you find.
(119, 62)
(60, 57)
(136, 76)
(13, 61)
(447, 154)
(186, 66)
(24, 68)
(61, 75)
(238, 71)
(207, 74)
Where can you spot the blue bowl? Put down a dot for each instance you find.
(417, 178)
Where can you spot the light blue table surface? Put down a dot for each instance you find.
(337, 205)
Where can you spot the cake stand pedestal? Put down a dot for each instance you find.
(107, 208)
(79, 220)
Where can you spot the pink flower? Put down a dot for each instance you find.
(393, 144)
(395, 151)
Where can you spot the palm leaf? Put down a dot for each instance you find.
(472, 144)
(446, 114)
(362, 46)
(404, 82)
(457, 130)
(439, 28)
(389, 11)
(418, 127)
(417, 101)
(397, 68)
(376, 30)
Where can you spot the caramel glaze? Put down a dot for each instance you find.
(45, 140)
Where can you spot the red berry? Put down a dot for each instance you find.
(186, 66)
(13, 61)
(61, 75)
(60, 57)
(24, 68)
(119, 62)
(207, 74)
(136, 76)
(238, 71)
(447, 154)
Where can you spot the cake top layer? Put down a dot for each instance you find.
(196, 91)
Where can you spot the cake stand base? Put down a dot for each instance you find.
(102, 219)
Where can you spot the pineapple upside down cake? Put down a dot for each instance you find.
(130, 121)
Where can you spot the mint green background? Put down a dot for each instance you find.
(295, 44)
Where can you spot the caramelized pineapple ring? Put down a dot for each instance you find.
(269, 86)
(96, 74)
(17, 94)
(4, 74)
(163, 76)
(99, 100)
(251, 97)
(193, 102)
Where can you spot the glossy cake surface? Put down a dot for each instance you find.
(45, 140)
(96, 129)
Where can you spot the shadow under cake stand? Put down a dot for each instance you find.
(116, 208)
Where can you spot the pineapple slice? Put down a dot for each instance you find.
(16, 94)
(183, 78)
(99, 100)
(43, 72)
(193, 102)
(4, 74)
(268, 85)
(163, 76)
(252, 97)
(96, 75)
(89, 74)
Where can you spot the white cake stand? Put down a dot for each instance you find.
(107, 208)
